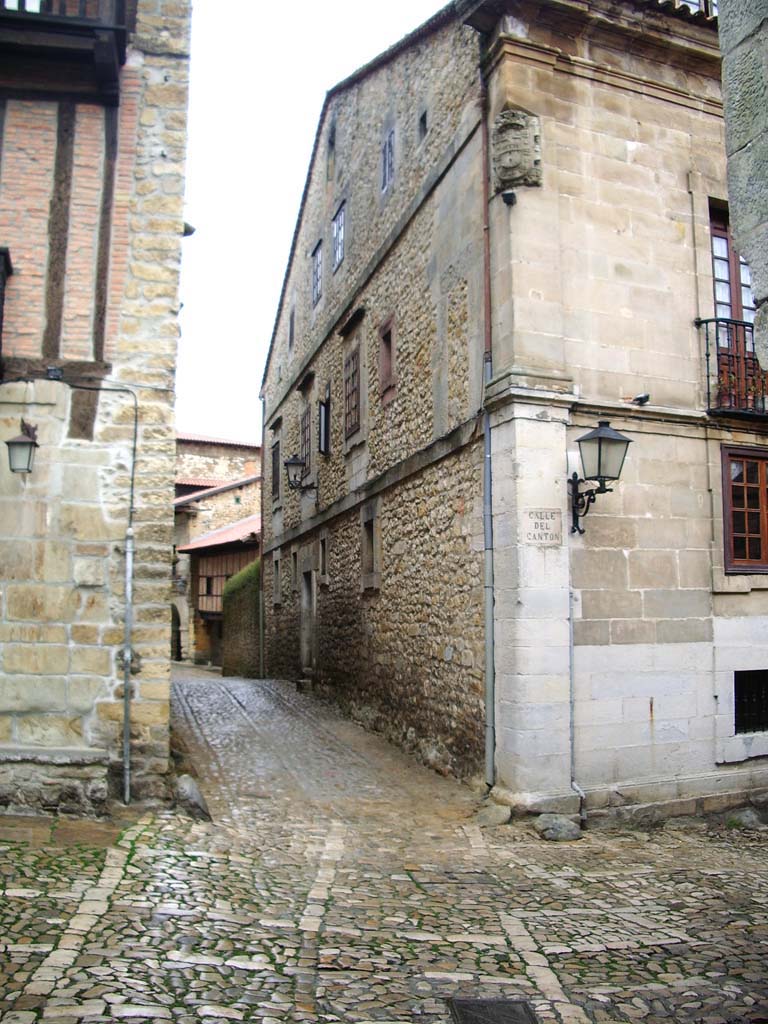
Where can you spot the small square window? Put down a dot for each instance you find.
(337, 235)
(317, 273)
(388, 161)
(751, 700)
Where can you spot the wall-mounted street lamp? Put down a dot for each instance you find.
(21, 449)
(602, 451)
(294, 467)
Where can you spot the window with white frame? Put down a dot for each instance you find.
(317, 273)
(337, 235)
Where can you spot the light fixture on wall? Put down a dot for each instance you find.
(602, 451)
(294, 467)
(21, 449)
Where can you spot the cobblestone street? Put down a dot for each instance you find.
(341, 882)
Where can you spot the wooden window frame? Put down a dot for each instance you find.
(352, 393)
(305, 439)
(733, 564)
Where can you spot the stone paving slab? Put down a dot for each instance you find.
(341, 882)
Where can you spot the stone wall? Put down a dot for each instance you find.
(63, 590)
(743, 29)
(242, 595)
(223, 507)
(396, 642)
(405, 657)
(208, 460)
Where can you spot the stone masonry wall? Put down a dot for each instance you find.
(404, 653)
(226, 463)
(63, 593)
(405, 659)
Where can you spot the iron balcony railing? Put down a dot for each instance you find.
(101, 12)
(736, 382)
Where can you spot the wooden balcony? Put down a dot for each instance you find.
(70, 47)
(737, 385)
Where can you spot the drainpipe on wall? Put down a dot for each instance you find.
(488, 590)
(572, 709)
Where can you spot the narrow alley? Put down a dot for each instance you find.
(339, 881)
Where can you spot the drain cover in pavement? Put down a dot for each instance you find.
(491, 1011)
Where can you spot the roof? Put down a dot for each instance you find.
(209, 491)
(456, 9)
(202, 439)
(200, 482)
(243, 531)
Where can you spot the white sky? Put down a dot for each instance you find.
(260, 72)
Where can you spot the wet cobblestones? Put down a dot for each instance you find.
(340, 882)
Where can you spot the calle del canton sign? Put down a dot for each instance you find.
(543, 526)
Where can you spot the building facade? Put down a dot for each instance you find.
(93, 99)
(515, 225)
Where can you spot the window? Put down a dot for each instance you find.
(388, 161)
(423, 126)
(387, 360)
(370, 547)
(324, 557)
(352, 392)
(305, 429)
(751, 700)
(317, 273)
(709, 7)
(337, 235)
(291, 330)
(324, 423)
(277, 590)
(6, 269)
(295, 570)
(276, 471)
(740, 383)
(330, 160)
(733, 283)
(745, 487)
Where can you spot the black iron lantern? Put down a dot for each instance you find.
(294, 467)
(603, 451)
(21, 449)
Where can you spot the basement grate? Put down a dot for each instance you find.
(491, 1011)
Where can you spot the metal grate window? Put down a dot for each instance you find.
(352, 393)
(276, 470)
(305, 428)
(751, 700)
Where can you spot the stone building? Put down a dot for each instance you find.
(514, 226)
(93, 97)
(743, 29)
(218, 485)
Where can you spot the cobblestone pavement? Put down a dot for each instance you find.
(340, 882)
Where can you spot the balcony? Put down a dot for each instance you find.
(737, 385)
(75, 47)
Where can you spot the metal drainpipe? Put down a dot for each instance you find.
(572, 702)
(488, 591)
